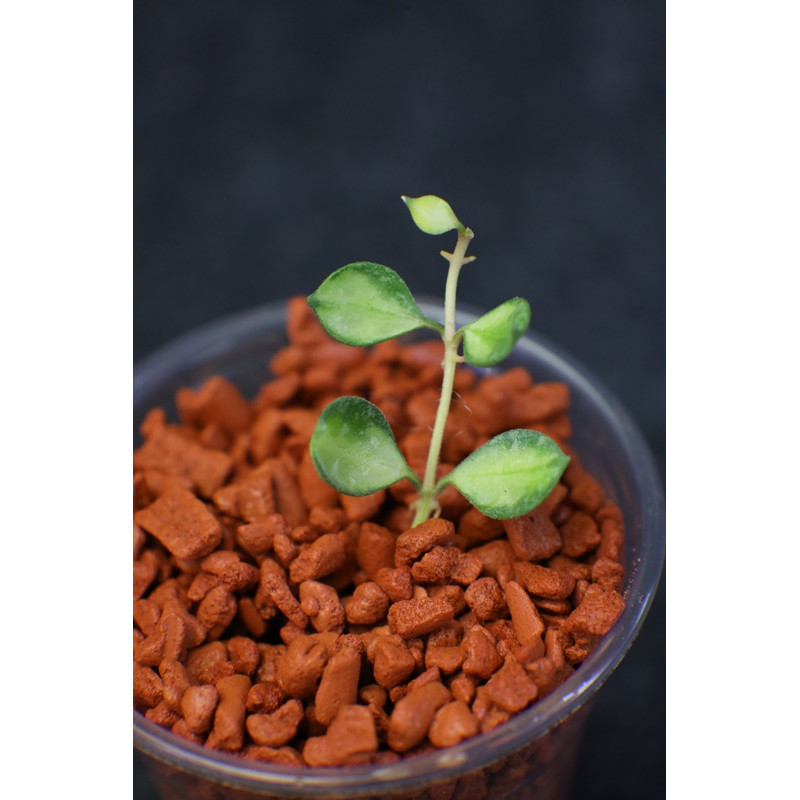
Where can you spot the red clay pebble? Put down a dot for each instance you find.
(375, 549)
(544, 582)
(358, 509)
(251, 498)
(256, 538)
(436, 565)
(584, 491)
(530, 651)
(145, 615)
(447, 659)
(216, 611)
(475, 527)
(264, 698)
(554, 641)
(228, 731)
(182, 523)
(533, 537)
(198, 705)
(287, 756)
(422, 538)
(201, 585)
(612, 540)
(154, 420)
(353, 736)
(176, 682)
(350, 739)
(411, 618)
(209, 663)
(180, 729)
(583, 644)
(243, 654)
(273, 588)
(608, 574)
(393, 662)
(580, 535)
(168, 451)
(597, 612)
(447, 636)
(452, 724)
(195, 631)
(339, 685)
(321, 604)
(528, 625)
(145, 571)
(324, 556)
(265, 435)
(168, 640)
(412, 716)
(454, 595)
(228, 566)
(251, 619)
(161, 714)
(302, 326)
(554, 499)
(216, 402)
(494, 556)
(463, 687)
(368, 604)
(467, 569)
(271, 654)
(300, 668)
(511, 688)
(544, 674)
(285, 549)
(482, 656)
(395, 582)
(148, 688)
(486, 599)
(277, 728)
(326, 520)
(580, 590)
(139, 538)
(287, 493)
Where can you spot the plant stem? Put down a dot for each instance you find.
(425, 504)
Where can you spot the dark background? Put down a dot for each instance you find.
(272, 142)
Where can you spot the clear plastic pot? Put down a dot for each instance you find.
(530, 756)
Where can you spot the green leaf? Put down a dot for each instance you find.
(492, 337)
(432, 214)
(365, 303)
(354, 450)
(509, 475)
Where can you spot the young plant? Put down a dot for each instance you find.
(353, 447)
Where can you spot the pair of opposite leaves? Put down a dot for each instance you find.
(353, 447)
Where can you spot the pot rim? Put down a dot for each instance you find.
(643, 574)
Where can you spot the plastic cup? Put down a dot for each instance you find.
(530, 756)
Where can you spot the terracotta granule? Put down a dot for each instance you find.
(280, 620)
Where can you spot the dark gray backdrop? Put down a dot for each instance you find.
(272, 141)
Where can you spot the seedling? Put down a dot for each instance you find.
(353, 447)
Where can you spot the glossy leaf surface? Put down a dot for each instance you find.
(365, 303)
(490, 338)
(432, 215)
(354, 450)
(509, 475)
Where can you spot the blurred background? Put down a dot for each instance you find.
(272, 142)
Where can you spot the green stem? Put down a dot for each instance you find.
(426, 503)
